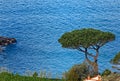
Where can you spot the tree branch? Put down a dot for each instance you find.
(86, 52)
(93, 47)
(81, 49)
(91, 54)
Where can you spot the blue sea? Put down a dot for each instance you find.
(38, 24)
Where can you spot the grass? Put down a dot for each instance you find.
(5, 76)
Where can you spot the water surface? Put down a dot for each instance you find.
(38, 24)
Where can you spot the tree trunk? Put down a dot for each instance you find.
(96, 56)
(94, 66)
(94, 63)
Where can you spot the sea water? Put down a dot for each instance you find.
(38, 24)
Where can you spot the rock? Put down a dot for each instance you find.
(4, 41)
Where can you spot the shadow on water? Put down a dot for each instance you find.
(3, 55)
(4, 50)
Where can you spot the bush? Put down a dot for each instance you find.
(35, 74)
(77, 73)
(106, 72)
(116, 59)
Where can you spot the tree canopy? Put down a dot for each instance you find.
(85, 38)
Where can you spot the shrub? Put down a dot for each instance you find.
(116, 59)
(106, 72)
(77, 73)
(35, 74)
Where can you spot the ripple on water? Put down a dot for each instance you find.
(38, 24)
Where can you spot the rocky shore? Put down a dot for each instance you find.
(4, 41)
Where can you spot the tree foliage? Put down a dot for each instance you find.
(86, 38)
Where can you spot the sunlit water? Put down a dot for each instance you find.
(38, 24)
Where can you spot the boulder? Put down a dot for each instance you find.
(4, 41)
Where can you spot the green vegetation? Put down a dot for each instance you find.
(84, 39)
(35, 74)
(116, 59)
(106, 72)
(5, 76)
(77, 73)
(111, 77)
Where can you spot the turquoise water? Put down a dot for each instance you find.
(38, 24)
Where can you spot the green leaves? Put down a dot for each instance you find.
(116, 59)
(85, 38)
